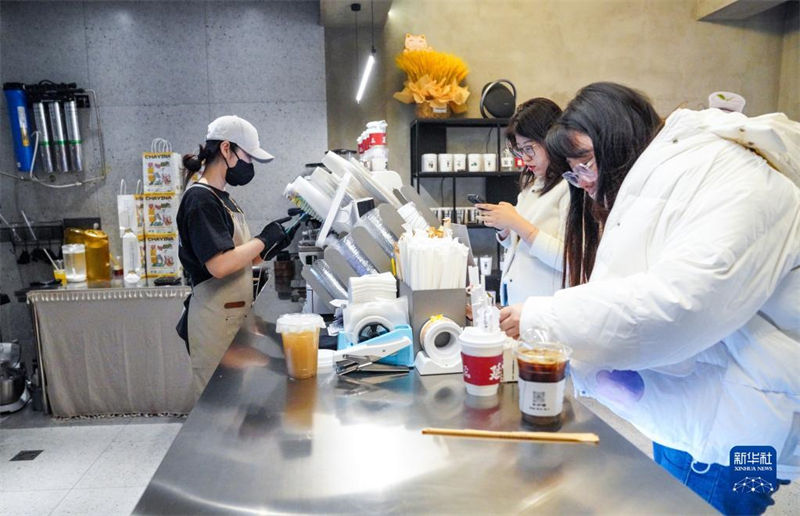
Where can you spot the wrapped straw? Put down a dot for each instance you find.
(431, 263)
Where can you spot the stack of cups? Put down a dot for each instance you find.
(482, 355)
(300, 334)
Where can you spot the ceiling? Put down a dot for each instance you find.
(337, 13)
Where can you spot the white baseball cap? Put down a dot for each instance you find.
(241, 132)
(727, 101)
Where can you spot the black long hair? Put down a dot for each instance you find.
(206, 154)
(532, 119)
(621, 122)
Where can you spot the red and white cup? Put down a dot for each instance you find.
(482, 356)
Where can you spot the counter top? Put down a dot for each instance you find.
(258, 442)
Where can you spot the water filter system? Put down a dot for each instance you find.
(20, 129)
(44, 142)
(46, 126)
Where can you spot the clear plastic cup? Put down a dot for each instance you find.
(542, 376)
(300, 334)
(59, 273)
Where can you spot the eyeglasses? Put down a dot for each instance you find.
(526, 151)
(580, 174)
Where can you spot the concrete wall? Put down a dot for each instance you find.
(789, 93)
(553, 47)
(163, 69)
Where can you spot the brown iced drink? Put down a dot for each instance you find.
(301, 353)
(542, 375)
(300, 333)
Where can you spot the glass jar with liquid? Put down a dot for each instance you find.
(97, 258)
(74, 262)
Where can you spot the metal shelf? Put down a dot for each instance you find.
(461, 122)
(467, 174)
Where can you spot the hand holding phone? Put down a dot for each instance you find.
(476, 199)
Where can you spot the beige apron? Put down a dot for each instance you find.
(218, 308)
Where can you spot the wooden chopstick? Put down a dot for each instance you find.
(552, 437)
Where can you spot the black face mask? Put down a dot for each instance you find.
(240, 174)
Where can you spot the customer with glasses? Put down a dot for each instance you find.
(532, 232)
(683, 261)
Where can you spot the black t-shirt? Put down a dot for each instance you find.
(205, 229)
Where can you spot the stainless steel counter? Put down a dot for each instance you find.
(258, 442)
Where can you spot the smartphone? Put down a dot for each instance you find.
(476, 199)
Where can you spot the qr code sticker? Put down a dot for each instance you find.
(538, 396)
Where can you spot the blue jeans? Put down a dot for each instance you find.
(712, 482)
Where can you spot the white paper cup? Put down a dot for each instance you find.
(460, 162)
(428, 163)
(482, 356)
(445, 162)
(474, 162)
(485, 263)
(490, 162)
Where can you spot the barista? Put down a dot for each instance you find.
(216, 248)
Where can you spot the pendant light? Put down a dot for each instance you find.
(371, 59)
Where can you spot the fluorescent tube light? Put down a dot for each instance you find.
(365, 77)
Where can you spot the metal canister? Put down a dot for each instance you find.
(45, 142)
(74, 142)
(59, 140)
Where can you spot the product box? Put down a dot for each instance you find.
(161, 172)
(160, 213)
(161, 256)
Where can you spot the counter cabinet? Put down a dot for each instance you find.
(111, 351)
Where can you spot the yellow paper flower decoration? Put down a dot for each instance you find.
(433, 82)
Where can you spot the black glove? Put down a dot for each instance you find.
(292, 231)
(275, 240)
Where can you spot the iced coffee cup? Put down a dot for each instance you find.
(482, 356)
(300, 335)
(542, 376)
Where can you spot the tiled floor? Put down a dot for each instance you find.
(92, 466)
(102, 466)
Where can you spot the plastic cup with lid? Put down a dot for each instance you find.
(542, 377)
(300, 335)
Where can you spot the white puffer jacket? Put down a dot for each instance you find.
(695, 295)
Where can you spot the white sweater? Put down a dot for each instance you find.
(535, 270)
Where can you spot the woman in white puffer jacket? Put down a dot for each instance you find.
(683, 252)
